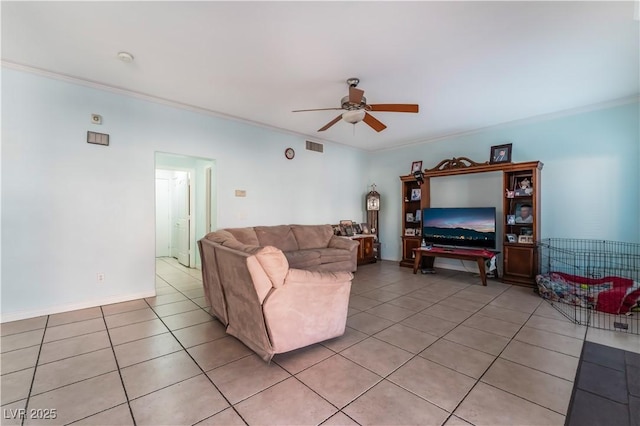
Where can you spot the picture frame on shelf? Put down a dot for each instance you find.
(500, 154)
(356, 229)
(410, 232)
(347, 227)
(524, 187)
(511, 219)
(336, 230)
(409, 217)
(416, 194)
(416, 166)
(525, 239)
(526, 231)
(524, 213)
(512, 238)
(364, 227)
(418, 216)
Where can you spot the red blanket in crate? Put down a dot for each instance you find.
(613, 295)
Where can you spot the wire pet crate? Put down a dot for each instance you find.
(592, 282)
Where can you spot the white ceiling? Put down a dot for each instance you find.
(468, 65)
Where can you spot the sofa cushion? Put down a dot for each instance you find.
(331, 255)
(245, 236)
(312, 236)
(277, 236)
(275, 264)
(302, 259)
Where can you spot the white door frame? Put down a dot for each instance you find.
(192, 209)
(165, 251)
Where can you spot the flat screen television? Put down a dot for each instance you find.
(460, 226)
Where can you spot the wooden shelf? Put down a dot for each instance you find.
(520, 260)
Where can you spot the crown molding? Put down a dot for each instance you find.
(188, 107)
(522, 121)
(155, 99)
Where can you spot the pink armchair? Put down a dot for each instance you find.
(268, 306)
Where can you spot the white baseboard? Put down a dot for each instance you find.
(15, 316)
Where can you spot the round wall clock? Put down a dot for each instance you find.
(289, 153)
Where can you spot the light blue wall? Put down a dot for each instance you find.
(71, 210)
(590, 179)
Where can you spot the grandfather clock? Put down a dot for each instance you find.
(373, 207)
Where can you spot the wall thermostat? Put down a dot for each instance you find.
(96, 119)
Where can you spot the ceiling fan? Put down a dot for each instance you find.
(357, 109)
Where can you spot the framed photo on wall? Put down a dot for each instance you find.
(500, 154)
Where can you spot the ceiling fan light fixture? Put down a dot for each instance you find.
(353, 116)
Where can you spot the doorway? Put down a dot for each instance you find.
(185, 199)
(174, 204)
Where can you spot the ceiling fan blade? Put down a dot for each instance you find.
(316, 109)
(331, 123)
(355, 95)
(373, 122)
(393, 107)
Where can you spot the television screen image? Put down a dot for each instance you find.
(473, 227)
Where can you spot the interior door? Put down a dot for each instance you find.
(163, 223)
(181, 217)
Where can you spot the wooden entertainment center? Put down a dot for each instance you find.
(520, 255)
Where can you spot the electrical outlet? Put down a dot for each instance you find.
(100, 278)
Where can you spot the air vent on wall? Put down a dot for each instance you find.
(315, 146)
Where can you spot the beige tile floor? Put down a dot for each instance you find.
(418, 349)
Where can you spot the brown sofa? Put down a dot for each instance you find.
(310, 247)
(263, 300)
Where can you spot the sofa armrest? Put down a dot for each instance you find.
(343, 243)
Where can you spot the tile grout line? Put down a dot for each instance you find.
(115, 358)
(196, 362)
(35, 369)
